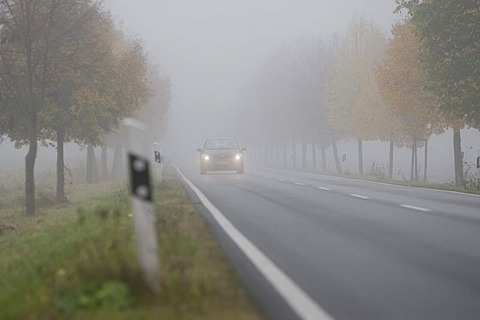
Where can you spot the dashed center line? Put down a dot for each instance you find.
(415, 208)
(324, 188)
(359, 196)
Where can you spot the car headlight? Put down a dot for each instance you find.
(206, 157)
(238, 156)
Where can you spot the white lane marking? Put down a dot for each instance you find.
(415, 208)
(283, 180)
(299, 184)
(359, 196)
(267, 177)
(304, 306)
(324, 188)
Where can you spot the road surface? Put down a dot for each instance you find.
(359, 250)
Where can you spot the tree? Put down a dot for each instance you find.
(266, 101)
(83, 66)
(33, 34)
(311, 66)
(351, 108)
(154, 112)
(123, 89)
(285, 99)
(451, 52)
(402, 82)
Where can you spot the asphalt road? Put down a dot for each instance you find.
(360, 250)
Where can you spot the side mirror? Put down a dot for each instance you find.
(243, 149)
(199, 150)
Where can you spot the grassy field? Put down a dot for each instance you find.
(77, 261)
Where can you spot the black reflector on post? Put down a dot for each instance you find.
(158, 157)
(140, 177)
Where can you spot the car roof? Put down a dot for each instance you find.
(221, 138)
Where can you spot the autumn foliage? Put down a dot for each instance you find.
(66, 74)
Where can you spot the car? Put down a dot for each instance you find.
(221, 154)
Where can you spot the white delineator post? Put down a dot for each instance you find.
(478, 169)
(157, 169)
(138, 151)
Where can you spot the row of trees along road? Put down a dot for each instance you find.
(363, 86)
(450, 52)
(67, 75)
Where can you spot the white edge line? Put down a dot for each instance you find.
(403, 186)
(359, 196)
(415, 208)
(294, 296)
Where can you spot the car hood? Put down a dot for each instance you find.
(221, 152)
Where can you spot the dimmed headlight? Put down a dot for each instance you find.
(238, 156)
(206, 157)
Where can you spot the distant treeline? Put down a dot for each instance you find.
(362, 85)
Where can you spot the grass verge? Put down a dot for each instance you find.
(78, 261)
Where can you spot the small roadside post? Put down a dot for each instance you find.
(157, 169)
(138, 154)
(478, 169)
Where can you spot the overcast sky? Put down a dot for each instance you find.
(210, 47)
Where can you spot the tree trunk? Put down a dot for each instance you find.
(416, 159)
(324, 161)
(92, 169)
(360, 157)
(33, 135)
(426, 161)
(412, 175)
(117, 167)
(304, 156)
(335, 156)
(294, 154)
(277, 155)
(314, 157)
(104, 163)
(60, 193)
(458, 158)
(285, 157)
(30, 169)
(390, 161)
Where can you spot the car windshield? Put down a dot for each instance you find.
(221, 144)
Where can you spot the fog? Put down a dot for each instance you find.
(210, 49)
